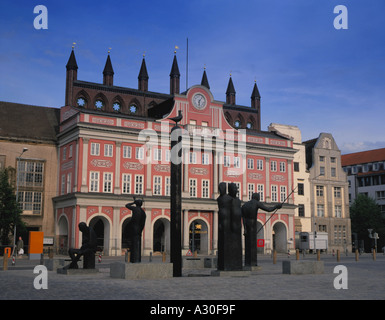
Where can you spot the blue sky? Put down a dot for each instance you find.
(309, 74)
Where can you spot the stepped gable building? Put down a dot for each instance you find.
(329, 201)
(114, 144)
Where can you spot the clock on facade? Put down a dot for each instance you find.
(199, 101)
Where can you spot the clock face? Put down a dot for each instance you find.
(199, 101)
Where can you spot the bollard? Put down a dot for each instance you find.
(274, 256)
(374, 254)
(5, 262)
(338, 255)
(318, 255)
(150, 258)
(357, 254)
(297, 254)
(164, 256)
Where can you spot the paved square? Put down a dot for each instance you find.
(365, 280)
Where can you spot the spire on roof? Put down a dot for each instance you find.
(230, 87)
(108, 70)
(204, 81)
(143, 75)
(255, 94)
(230, 92)
(71, 64)
(174, 77)
(174, 69)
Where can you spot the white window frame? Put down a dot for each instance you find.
(193, 188)
(167, 186)
(139, 182)
(192, 158)
(320, 210)
(273, 166)
(338, 211)
(107, 182)
(126, 183)
(237, 162)
(283, 193)
(157, 155)
(94, 181)
(274, 193)
(95, 149)
(226, 161)
(260, 164)
(205, 188)
(69, 178)
(261, 191)
(108, 150)
(127, 152)
(250, 163)
(282, 166)
(250, 190)
(139, 153)
(205, 158)
(157, 191)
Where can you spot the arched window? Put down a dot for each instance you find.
(81, 102)
(133, 109)
(116, 106)
(99, 104)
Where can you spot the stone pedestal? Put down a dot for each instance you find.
(73, 272)
(123, 270)
(302, 267)
(240, 273)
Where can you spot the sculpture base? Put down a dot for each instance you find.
(252, 268)
(302, 267)
(123, 270)
(238, 273)
(73, 272)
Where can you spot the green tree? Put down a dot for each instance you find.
(10, 214)
(366, 214)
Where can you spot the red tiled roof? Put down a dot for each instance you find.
(363, 157)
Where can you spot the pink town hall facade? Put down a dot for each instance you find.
(114, 144)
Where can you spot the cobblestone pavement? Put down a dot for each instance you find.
(366, 281)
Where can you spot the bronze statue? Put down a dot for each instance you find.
(87, 250)
(224, 203)
(229, 229)
(249, 216)
(135, 228)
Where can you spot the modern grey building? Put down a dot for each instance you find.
(366, 175)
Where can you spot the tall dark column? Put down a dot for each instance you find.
(176, 198)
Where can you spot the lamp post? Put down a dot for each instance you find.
(17, 196)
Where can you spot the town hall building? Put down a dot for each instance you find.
(114, 145)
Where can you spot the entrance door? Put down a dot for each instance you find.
(198, 237)
(161, 235)
(280, 237)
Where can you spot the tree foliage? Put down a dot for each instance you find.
(366, 214)
(10, 214)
